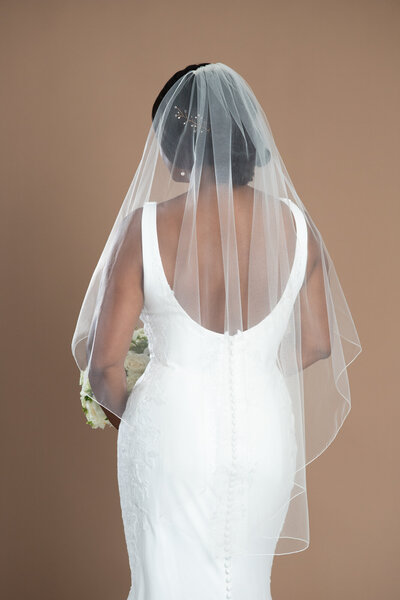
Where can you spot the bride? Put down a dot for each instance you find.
(249, 335)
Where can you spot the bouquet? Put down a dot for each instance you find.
(135, 364)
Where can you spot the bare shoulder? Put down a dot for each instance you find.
(172, 205)
(131, 225)
(170, 213)
(128, 240)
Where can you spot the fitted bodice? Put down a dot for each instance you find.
(176, 339)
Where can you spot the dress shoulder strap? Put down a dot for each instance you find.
(300, 261)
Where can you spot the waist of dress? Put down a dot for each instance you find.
(216, 367)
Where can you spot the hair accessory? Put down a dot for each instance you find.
(191, 119)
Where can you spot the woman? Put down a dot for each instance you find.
(250, 337)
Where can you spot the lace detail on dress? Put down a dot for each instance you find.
(138, 453)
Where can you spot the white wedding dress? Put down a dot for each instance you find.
(163, 452)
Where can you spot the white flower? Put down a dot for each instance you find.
(95, 415)
(138, 332)
(135, 364)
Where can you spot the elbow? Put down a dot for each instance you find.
(99, 372)
(311, 356)
(326, 353)
(326, 344)
(322, 343)
(94, 376)
(315, 352)
(326, 350)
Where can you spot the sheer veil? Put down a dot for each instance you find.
(230, 228)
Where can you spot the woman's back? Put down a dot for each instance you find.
(208, 272)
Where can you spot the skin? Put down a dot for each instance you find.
(124, 299)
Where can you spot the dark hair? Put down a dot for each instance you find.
(242, 149)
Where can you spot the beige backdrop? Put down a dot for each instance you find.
(79, 80)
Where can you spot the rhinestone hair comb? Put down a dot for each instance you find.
(191, 119)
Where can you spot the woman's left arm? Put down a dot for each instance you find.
(111, 331)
